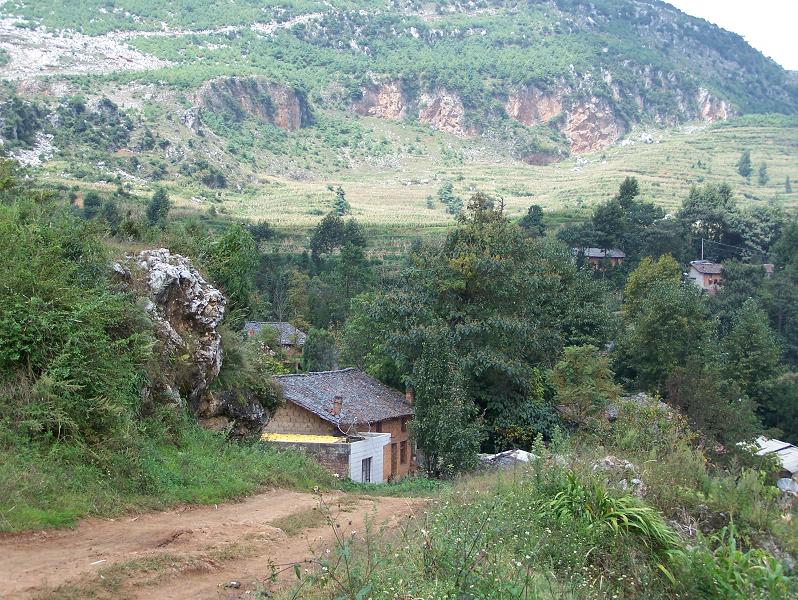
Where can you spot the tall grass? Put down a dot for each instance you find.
(52, 485)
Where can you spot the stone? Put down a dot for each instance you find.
(191, 119)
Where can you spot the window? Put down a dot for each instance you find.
(403, 453)
(365, 467)
(404, 425)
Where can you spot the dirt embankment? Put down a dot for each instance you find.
(190, 552)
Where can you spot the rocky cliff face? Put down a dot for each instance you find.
(186, 312)
(532, 106)
(444, 111)
(386, 101)
(711, 108)
(242, 97)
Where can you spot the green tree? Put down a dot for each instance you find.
(750, 350)
(446, 426)
(158, 208)
(332, 233)
(787, 185)
(447, 197)
(508, 303)
(744, 167)
(341, 206)
(763, 177)
(648, 273)
(628, 191)
(715, 406)
(532, 221)
(111, 215)
(233, 261)
(584, 383)
(319, 352)
(671, 324)
(92, 203)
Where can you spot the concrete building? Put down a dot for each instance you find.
(599, 258)
(706, 274)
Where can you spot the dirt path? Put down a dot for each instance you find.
(184, 553)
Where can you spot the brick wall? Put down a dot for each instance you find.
(394, 427)
(334, 457)
(291, 418)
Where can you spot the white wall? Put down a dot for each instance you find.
(372, 446)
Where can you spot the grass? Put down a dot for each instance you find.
(54, 486)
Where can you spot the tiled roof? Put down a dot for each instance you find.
(363, 399)
(707, 267)
(599, 253)
(287, 333)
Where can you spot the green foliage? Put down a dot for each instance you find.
(72, 351)
(447, 197)
(647, 275)
(744, 164)
(445, 426)
(670, 325)
(787, 185)
(732, 573)
(92, 203)
(583, 383)
(341, 206)
(233, 261)
(158, 208)
(532, 221)
(762, 176)
(319, 352)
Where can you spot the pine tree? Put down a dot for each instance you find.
(532, 221)
(788, 185)
(744, 164)
(158, 208)
(340, 204)
(763, 174)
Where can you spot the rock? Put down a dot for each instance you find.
(233, 585)
(186, 311)
(592, 125)
(191, 119)
(386, 101)
(507, 459)
(532, 106)
(711, 108)
(621, 474)
(788, 486)
(444, 111)
(269, 102)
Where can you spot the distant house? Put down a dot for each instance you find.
(290, 337)
(353, 424)
(706, 274)
(599, 258)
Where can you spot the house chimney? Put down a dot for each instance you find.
(338, 402)
(409, 395)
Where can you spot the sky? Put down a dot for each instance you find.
(770, 26)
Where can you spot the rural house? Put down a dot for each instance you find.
(706, 275)
(599, 258)
(352, 423)
(290, 338)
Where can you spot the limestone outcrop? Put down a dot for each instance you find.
(186, 312)
(386, 101)
(257, 97)
(444, 111)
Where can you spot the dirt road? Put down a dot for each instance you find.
(192, 552)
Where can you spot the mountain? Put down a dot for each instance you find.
(220, 92)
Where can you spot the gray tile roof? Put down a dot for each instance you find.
(707, 267)
(599, 253)
(363, 398)
(287, 333)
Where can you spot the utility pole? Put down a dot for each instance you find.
(702, 248)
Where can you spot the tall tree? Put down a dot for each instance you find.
(763, 177)
(744, 164)
(645, 277)
(158, 207)
(532, 221)
(234, 260)
(341, 205)
(319, 352)
(787, 185)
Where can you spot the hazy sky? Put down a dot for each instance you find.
(770, 26)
